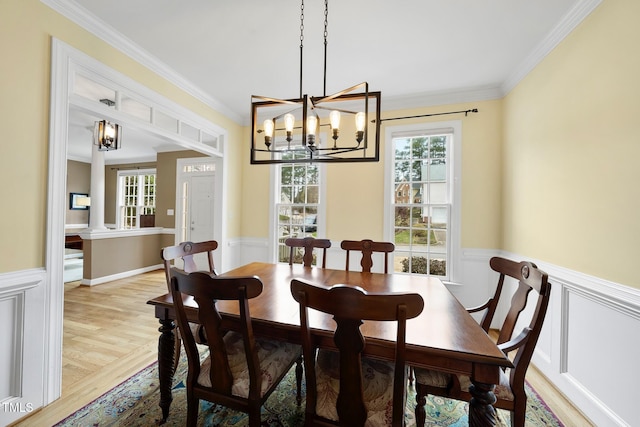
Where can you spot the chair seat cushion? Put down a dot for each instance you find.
(440, 379)
(377, 378)
(432, 378)
(502, 390)
(275, 359)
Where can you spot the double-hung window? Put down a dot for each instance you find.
(297, 204)
(136, 196)
(423, 216)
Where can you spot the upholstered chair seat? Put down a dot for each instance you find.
(377, 384)
(444, 381)
(275, 359)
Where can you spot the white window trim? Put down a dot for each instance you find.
(454, 271)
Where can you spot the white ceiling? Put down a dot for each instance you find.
(424, 52)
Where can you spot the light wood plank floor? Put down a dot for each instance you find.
(110, 333)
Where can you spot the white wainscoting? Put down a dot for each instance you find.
(22, 343)
(589, 345)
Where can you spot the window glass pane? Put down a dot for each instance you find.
(286, 173)
(402, 171)
(402, 215)
(313, 194)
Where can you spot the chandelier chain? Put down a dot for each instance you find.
(326, 33)
(326, 19)
(301, 41)
(301, 23)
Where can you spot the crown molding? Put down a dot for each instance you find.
(571, 20)
(77, 14)
(430, 99)
(74, 12)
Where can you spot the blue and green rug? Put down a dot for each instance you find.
(135, 403)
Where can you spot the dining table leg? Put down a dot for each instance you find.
(166, 356)
(481, 410)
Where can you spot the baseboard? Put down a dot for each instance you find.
(123, 275)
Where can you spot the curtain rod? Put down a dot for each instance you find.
(132, 168)
(466, 112)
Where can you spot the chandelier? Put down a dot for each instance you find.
(341, 127)
(107, 135)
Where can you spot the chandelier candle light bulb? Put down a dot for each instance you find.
(312, 124)
(289, 121)
(268, 131)
(334, 119)
(361, 122)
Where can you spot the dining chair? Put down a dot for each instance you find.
(344, 388)
(186, 251)
(501, 266)
(367, 247)
(241, 370)
(510, 392)
(308, 243)
(489, 307)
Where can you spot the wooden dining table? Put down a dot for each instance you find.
(443, 337)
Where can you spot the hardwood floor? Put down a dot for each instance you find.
(110, 333)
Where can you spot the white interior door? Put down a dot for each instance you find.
(196, 204)
(201, 205)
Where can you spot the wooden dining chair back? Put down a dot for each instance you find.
(367, 248)
(326, 370)
(308, 243)
(510, 392)
(187, 251)
(503, 268)
(241, 370)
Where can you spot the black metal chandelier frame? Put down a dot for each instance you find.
(280, 141)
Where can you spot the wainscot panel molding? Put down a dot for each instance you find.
(244, 250)
(22, 343)
(589, 347)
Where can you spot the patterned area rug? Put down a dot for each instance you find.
(135, 403)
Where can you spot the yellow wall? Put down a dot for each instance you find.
(549, 172)
(26, 28)
(355, 191)
(571, 154)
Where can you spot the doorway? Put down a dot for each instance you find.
(196, 203)
(69, 66)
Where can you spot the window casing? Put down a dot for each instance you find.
(423, 212)
(298, 205)
(136, 196)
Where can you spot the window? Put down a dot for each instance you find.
(422, 205)
(136, 196)
(297, 204)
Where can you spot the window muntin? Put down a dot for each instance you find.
(422, 203)
(137, 196)
(297, 204)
